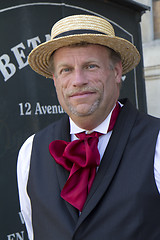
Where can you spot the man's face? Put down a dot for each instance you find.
(86, 81)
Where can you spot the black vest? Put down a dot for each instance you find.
(123, 204)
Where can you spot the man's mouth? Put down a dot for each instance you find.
(82, 94)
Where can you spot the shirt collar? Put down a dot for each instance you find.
(102, 128)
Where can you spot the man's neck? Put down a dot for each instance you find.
(89, 123)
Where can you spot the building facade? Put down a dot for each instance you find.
(151, 53)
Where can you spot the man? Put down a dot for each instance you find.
(94, 174)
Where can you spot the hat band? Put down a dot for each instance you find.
(79, 31)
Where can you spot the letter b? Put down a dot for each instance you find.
(7, 69)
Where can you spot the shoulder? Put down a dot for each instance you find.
(141, 118)
(23, 162)
(25, 149)
(57, 130)
(50, 130)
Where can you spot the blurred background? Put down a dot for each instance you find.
(26, 98)
(150, 26)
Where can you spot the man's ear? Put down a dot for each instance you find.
(53, 75)
(118, 71)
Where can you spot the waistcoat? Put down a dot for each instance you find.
(124, 202)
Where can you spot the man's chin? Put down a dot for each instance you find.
(83, 111)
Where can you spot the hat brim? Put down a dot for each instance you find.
(39, 57)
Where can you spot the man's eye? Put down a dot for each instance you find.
(91, 66)
(65, 70)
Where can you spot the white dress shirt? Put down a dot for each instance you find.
(23, 166)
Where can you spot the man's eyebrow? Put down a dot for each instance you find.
(66, 64)
(60, 65)
(92, 61)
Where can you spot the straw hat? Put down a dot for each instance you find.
(82, 28)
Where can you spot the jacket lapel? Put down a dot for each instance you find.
(63, 133)
(111, 159)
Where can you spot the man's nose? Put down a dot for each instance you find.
(79, 78)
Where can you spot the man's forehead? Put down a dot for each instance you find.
(82, 45)
(68, 55)
(81, 48)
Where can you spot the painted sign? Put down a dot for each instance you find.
(28, 101)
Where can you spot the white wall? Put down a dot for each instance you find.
(151, 55)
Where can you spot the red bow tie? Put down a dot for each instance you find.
(81, 158)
